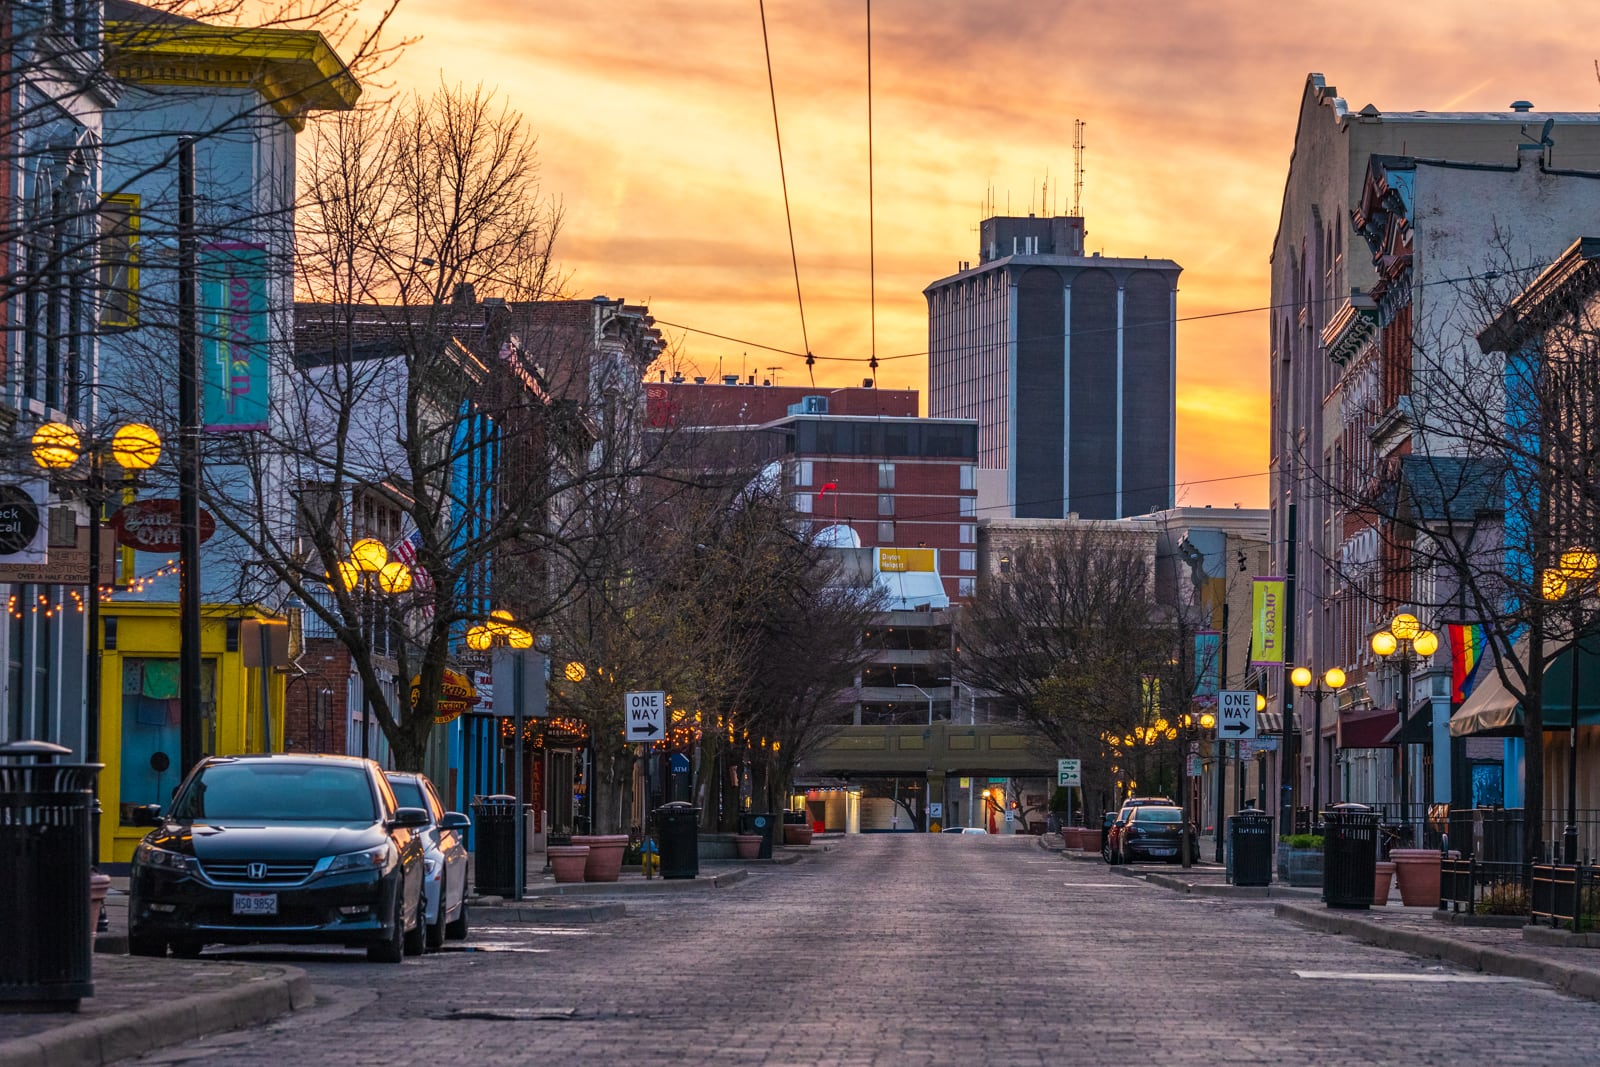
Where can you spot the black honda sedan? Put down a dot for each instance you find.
(281, 849)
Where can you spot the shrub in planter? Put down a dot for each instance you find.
(1504, 898)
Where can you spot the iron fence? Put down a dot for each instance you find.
(1565, 893)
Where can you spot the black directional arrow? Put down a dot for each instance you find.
(1237, 728)
(649, 728)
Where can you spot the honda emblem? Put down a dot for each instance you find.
(256, 871)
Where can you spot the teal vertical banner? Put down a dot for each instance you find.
(233, 336)
(1207, 665)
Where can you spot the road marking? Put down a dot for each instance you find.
(1102, 885)
(1407, 976)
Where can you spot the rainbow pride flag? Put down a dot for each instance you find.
(1466, 651)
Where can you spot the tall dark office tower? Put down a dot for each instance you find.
(1067, 362)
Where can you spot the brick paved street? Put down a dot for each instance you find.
(917, 949)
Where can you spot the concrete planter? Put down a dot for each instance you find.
(1300, 866)
(605, 856)
(1382, 882)
(567, 861)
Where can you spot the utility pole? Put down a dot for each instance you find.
(1222, 746)
(191, 741)
(1286, 758)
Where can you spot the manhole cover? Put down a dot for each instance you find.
(512, 1014)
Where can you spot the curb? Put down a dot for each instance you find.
(652, 885)
(1576, 981)
(1222, 889)
(549, 914)
(125, 1034)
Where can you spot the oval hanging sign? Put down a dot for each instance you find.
(153, 525)
(456, 695)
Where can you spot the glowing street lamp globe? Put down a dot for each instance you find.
(1405, 626)
(1578, 564)
(1301, 677)
(369, 554)
(56, 446)
(394, 577)
(1425, 643)
(136, 447)
(1334, 677)
(1384, 643)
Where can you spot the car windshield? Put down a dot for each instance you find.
(408, 793)
(1158, 814)
(278, 792)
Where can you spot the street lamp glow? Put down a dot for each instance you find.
(348, 574)
(136, 447)
(1261, 702)
(1208, 721)
(56, 446)
(369, 554)
(1578, 564)
(1553, 584)
(1405, 626)
(1334, 677)
(394, 577)
(576, 672)
(1384, 643)
(1301, 677)
(1426, 643)
(478, 638)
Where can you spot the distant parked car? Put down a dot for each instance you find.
(280, 848)
(953, 830)
(975, 830)
(1113, 829)
(444, 857)
(1152, 832)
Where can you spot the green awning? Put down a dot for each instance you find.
(1491, 710)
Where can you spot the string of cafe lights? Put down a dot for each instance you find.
(48, 607)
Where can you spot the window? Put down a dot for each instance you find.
(969, 507)
(800, 472)
(802, 503)
(968, 560)
(886, 533)
(886, 476)
(119, 261)
(969, 476)
(885, 503)
(969, 533)
(966, 587)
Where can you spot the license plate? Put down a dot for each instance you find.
(255, 903)
(1162, 851)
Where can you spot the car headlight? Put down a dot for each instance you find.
(367, 859)
(150, 856)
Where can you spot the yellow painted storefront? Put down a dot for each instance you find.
(139, 736)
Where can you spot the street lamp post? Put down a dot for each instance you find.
(924, 692)
(1409, 643)
(369, 567)
(1575, 569)
(501, 628)
(1333, 680)
(57, 448)
(1205, 721)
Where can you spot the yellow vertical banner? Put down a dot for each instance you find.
(1267, 611)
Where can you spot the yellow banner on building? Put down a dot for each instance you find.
(1268, 610)
(899, 560)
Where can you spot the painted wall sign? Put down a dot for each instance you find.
(233, 342)
(153, 526)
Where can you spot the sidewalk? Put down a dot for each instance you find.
(1491, 944)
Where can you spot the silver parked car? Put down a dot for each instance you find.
(444, 857)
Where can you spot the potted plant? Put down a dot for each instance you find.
(1300, 859)
(1417, 871)
(604, 863)
(567, 861)
(1382, 882)
(748, 845)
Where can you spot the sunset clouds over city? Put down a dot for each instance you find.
(656, 132)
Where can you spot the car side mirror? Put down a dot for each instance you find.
(145, 815)
(411, 817)
(454, 820)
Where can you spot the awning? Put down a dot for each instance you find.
(1367, 731)
(1492, 710)
(1268, 723)
(1418, 729)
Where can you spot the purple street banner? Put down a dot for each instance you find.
(233, 336)
(1207, 663)
(1267, 615)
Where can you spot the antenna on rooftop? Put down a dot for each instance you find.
(774, 372)
(1077, 167)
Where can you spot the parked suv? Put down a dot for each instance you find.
(280, 848)
(1111, 838)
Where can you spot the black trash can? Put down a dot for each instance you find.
(1250, 832)
(1349, 855)
(759, 823)
(678, 837)
(495, 825)
(46, 932)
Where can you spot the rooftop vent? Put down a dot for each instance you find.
(730, 379)
(1521, 106)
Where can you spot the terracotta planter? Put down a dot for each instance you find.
(605, 856)
(1382, 882)
(796, 834)
(1077, 837)
(749, 845)
(568, 861)
(1417, 870)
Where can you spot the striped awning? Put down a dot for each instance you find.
(1269, 722)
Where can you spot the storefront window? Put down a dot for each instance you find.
(151, 742)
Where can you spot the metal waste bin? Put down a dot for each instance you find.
(1250, 832)
(46, 931)
(759, 823)
(678, 836)
(1349, 855)
(495, 825)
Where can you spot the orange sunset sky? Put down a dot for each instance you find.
(655, 130)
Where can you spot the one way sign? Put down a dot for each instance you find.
(646, 715)
(1236, 714)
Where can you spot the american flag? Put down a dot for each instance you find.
(406, 552)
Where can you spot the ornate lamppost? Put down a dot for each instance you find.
(1331, 682)
(370, 569)
(502, 629)
(1409, 643)
(1567, 581)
